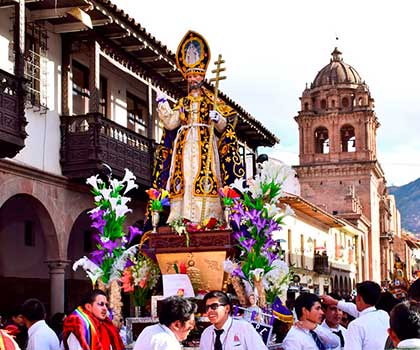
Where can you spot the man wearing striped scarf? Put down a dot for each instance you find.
(89, 327)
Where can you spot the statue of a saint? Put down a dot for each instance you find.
(192, 162)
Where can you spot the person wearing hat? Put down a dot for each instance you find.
(198, 153)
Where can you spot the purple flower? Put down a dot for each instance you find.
(97, 214)
(237, 219)
(271, 257)
(128, 263)
(272, 226)
(248, 244)
(97, 256)
(99, 224)
(238, 272)
(110, 245)
(165, 202)
(134, 231)
(269, 243)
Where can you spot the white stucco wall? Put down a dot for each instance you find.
(6, 63)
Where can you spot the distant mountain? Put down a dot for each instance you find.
(408, 203)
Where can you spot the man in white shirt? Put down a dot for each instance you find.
(405, 325)
(307, 334)
(40, 335)
(369, 330)
(176, 320)
(227, 333)
(333, 316)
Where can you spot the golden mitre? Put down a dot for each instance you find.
(193, 54)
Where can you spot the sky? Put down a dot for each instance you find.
(272, 48)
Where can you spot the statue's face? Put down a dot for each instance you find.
(195, 81)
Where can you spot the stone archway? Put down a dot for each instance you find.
(28, 239)
(80, 244)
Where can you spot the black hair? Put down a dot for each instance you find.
(33, 310)
(414, 291)
(305, 300)
(332, 295)
(262, 158)
(91, 296)
(369, 291)
(176, 308)
(221, 296)
(405, 320)
(386, 301)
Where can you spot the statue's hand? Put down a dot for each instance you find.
(214, 116)
(161, 97)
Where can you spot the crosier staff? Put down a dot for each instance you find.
(216, 80)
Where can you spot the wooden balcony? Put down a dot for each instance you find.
(12, 115)
(321, 264)
(89, 140)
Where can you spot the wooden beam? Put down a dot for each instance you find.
(131, 48)
(77, 26)
(44, 14)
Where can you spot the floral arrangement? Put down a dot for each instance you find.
(108, 261)
(255, 218)
(228, 195)
(140, 277)
(158, 199)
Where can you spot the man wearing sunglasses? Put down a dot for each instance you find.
(225, 332)
(176, 320)
(89, 327)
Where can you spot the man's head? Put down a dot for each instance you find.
(308, 307)
(32, 311)
(333, 315)
(177, 314)
(217, 307)
(97, 304)
(195, 81)
(414, 291)
(368, 294)
(404, 321)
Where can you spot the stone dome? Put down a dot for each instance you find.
(336, 72)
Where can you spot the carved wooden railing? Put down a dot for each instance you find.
(12, 115)
(321, 264)
(89, 140)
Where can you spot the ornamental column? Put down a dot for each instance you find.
(57, 274)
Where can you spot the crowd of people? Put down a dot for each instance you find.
(379, 321)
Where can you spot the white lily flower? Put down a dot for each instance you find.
(288, 211)
(130, 185)
(92, 270)
(115, 183)
(105, 192)
(114, 203)
(93, 181)
(121, 210)
(229, 266)
(104, 239)
(272, 209)
(257, 273)
(128, 176)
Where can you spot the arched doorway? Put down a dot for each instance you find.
(27, 239)
(81, 243)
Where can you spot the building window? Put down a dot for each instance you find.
(321, 140)
(137, 114)
(345, 102)
(348, 139)
(80, 88)
(36, 65)
(28, 232)
(323, 104)
(103, 96)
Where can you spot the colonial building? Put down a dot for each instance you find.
(90, 74)
(338, 167)
(323, 250)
